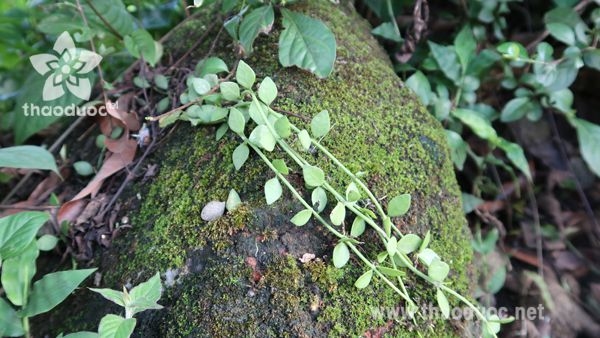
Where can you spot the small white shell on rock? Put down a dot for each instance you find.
(212, 211)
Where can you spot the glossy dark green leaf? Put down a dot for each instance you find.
(307, 43)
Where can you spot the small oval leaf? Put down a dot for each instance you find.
(341, 255)
(302, 217)
(364, 280)
(273, 190)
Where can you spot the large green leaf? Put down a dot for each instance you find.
(18, 231)
(113, 326)
(589, 143)
(259, 20)
(17, 273)
(10, 323)
(27, 157)
(307, 43)
(52, 289)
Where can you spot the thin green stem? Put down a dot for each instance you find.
(294, 191)
(25, 322)
(349, 173)
(381, 275)
(302, 162)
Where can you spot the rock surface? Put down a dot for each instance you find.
(241, 275)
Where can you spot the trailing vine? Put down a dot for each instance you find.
(236, 106)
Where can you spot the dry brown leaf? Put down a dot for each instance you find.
(129, 119)
(70, 210)
(113, 163)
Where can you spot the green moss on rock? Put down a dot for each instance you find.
(378, 127)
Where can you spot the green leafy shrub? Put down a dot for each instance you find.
(19, 250)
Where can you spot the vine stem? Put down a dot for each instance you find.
(301, 162)
(293, 190)
(349, 241)
(349, 173)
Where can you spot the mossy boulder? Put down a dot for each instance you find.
(241, 275)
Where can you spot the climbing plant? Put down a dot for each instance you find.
(243, 105)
